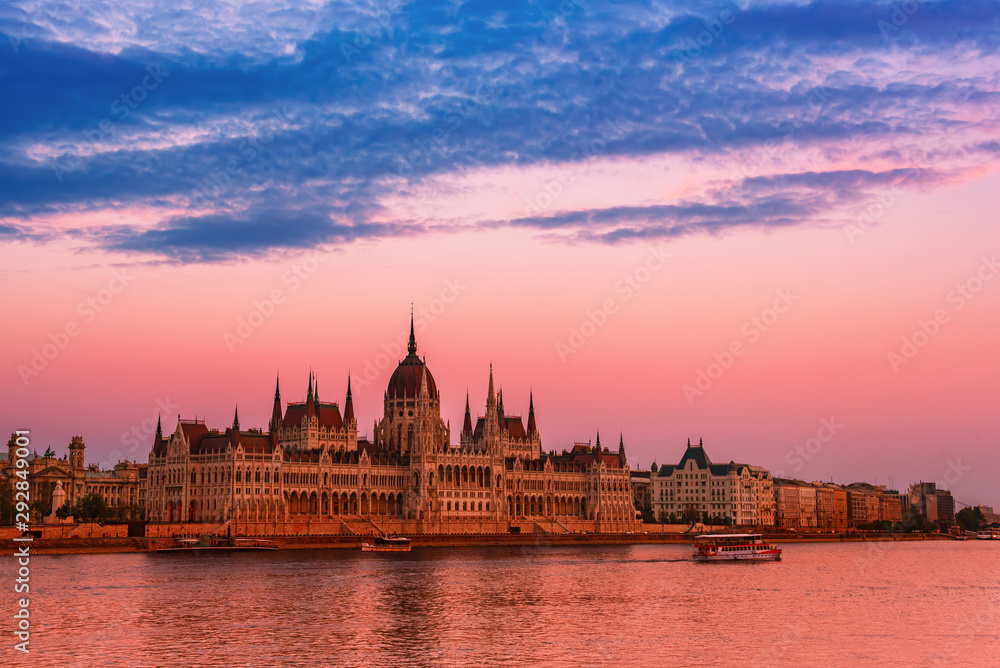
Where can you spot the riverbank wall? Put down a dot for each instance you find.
(119, 544)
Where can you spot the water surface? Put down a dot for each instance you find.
(888, 604)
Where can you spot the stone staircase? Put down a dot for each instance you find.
(549, 526)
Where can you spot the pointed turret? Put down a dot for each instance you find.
(236, 426)
(276, 417)
(467, 427)
(621, 448)
(500, 413)
(349, 404)
(310, 405)
(490, 396)
(424, 393)
(597, 446)
(532, 429)
(159, 433)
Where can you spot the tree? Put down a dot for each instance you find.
(91, 507)
(970, 519)
(913, 520)
(6, 502)
(663, 517)
(690, 515)
(673, 518)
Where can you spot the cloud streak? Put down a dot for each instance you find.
(282, 141)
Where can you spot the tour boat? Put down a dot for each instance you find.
(734, 547)
(387, 544)
(988, 535)
(216, 544)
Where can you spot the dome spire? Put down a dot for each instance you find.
(412, 346)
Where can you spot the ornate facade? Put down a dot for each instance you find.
(122, 488)
(740, 493)
(311, 466)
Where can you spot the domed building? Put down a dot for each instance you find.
(311, 471)
(412, 407)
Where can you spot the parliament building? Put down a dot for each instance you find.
(310, 473)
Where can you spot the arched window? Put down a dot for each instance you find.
(267, 475)
(256, 476)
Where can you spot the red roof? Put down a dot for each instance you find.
(193, 432)
(406, 379)
(327, 413)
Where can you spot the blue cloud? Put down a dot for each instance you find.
(337, 106)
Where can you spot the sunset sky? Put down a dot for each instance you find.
(756, 223)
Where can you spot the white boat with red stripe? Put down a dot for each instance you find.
(734, 547)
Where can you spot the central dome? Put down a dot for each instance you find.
(405, 380)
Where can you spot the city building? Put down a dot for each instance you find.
(739, 493)
(989, 515)
(311, 465)
(831, 506)
(935, 505)
(820, 505)
(122, 487)
(642, 497)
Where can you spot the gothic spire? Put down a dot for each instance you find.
(490, 397)
(467, 427)
(349, 404)
(532, 428)
(310, 402)
(411, 347)
(275, 423)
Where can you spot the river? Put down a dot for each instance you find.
(887, 604)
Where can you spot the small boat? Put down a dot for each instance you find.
(734, 547)
(217, 544)
(988, 535)
(387, 544)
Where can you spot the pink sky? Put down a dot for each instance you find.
(160, 342)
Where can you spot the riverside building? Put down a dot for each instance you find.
(311, 472)
(740, 493)
(122, 487)
(822, 505)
